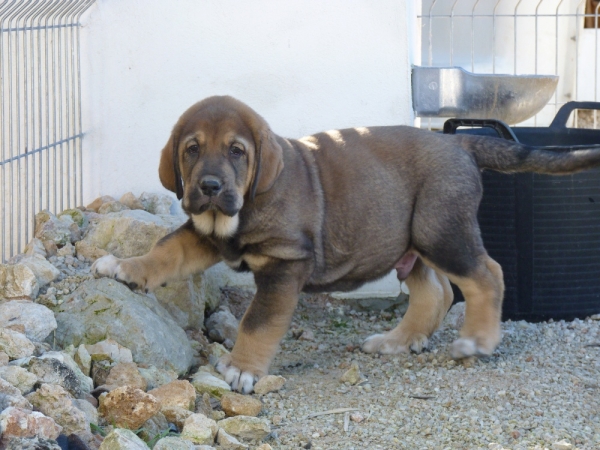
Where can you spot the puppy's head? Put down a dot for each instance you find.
(220, 155)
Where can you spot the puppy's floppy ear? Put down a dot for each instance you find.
(268, 160)
(168, 169)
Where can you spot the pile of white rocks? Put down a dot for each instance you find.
(87, 363)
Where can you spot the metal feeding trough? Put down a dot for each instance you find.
(544, 230)
(454, 92)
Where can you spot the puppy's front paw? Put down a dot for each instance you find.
(239, 379)
(392, 344)
(119, 269)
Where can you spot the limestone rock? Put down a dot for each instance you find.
(128, 407)
(90, 411)
(240, 405)
(48, 227)
(83, 359)
(17, 281)
(156, 203)
(20, 378)
(3, 358)
(204, 406)
(11, 396)
(41, 268)
(35, 247)
(199, 429)
(111, 350)
(562, 445)
(89, 251)
(54, 401)
(104, 307)
(269, 383)
(77, 216)
(154, 426)
(205, 382)
(185, 299)
(264, 446)
(131, 201)
(126, 374)
(112, 207)
(246, 427)
(176, 415)
(215, 351)
(222, 325)
(455, 317)
(177, 393)
(228, 442)
(352, 375)
(53, 369)
(209, 368)
(33, 443)
(122, 439)
(17, 422)
(97, 203)
(174, 443)
(15, 344)
(37, 320)
(67, 250)
(129, 233)
(156, 377)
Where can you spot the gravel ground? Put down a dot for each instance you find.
(540, 389)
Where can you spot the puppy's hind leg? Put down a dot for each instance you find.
(430, 298)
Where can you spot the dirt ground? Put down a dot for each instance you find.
(538, 390)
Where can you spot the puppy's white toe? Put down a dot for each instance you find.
(419, 343)
(372, 343)
(232, 375)
(382, 343)
(105, 266)
(463, 348)
(238, 380)
(246, 382)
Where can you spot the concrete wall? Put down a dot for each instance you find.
(304, 65)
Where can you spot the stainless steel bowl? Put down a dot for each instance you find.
(454, 92)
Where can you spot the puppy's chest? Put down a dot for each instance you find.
(229, 249)
(232, 253)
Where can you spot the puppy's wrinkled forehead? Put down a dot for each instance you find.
(212, 128)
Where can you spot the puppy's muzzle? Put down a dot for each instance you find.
(210, 185)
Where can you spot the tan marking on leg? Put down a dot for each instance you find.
(483, 292)
(430, 298)
(264, 324)
(256, 262)
(180, 254)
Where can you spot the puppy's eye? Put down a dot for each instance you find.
(192, 150)
(236, 151)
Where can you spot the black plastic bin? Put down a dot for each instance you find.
(544, 230)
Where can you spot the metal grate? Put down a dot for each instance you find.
(40, 115)
(519, 37)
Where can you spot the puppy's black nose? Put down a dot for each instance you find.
(210, 186)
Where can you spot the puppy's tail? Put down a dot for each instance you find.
(510, 157)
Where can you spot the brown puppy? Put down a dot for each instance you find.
(330, 212)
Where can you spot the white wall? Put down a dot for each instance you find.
(304, 65)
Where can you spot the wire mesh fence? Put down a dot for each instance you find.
(519, 37)
(40, 114)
